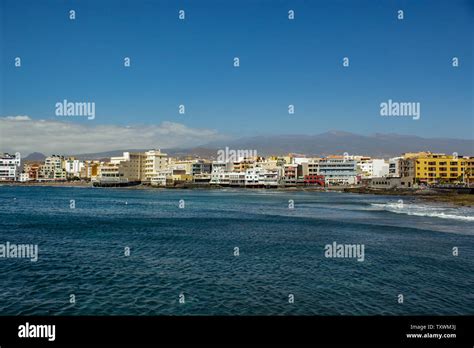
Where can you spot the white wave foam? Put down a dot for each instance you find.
(423, 210)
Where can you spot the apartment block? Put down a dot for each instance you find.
(53, 169)
(338, 171)
(155, 161)
(373, 167)
(394, 165)
(440, 169)
(32, 170)
(73, 167)
(90, 170)
(9, 167)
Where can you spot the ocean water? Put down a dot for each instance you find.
(190, 251)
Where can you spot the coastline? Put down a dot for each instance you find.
(452, 198)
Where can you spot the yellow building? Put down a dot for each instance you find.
(441, 168)
(242, 166)
(469, 172)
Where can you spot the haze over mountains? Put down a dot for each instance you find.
(338, 142)
(332, 142)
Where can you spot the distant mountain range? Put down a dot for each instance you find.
(35, 156)
(332, 142)
(192, 152)
(337, 142)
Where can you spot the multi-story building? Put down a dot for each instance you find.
(202, 178)
(109, 173)
(243, 165)
(53, 168)
(407, 172)
(268, 164)
(200, 167)
(23, 177)
(131, 165)
(310, 172)
(311, 167)
(290, 174)
(440, 168)
(252, 177)
(180, 176)
(90, 170)
(237, 179)
(220, 177)
(261, 177)
(73, 167)
(373, 167)
(155, 161)
(394, 167)
(338, 171)
(9, 167)
(282, 160)
(32, 170)
(221, 166)
(269, 178)
(469, 172)
(186, 165)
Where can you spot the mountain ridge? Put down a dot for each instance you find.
(382, 145)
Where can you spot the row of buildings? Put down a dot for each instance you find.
(158, 169)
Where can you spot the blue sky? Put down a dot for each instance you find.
(282, 62)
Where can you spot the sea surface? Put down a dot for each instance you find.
(191, 251)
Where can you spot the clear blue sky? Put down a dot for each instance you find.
(282, 62)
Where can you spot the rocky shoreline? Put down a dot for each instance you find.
(459, 199)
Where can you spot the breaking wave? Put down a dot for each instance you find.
(428, 211)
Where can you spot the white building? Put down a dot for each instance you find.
(252, 176)
(186, 165)
(9, 166)
(338, 171)
(221, 165)
(73, 167)
(261, 177)
(237, 179)
(109, 173)
(155, 161)
(373, 168)
(118, 159)
(53, 168)
(160, 178)
(394, 167)
(23, 177)
(300, 160)
(220, 177)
